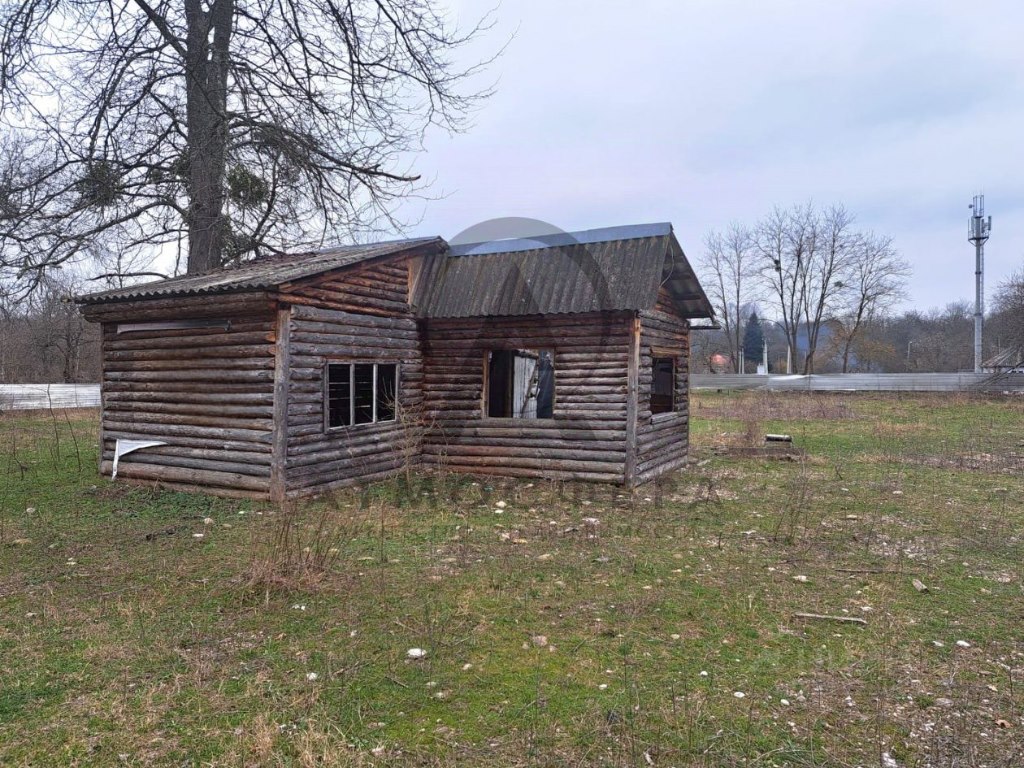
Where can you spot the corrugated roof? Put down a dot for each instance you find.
(618, 268)
(261, 274)
(615, 268)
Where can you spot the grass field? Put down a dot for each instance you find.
(562, 624)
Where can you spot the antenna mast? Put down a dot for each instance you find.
(978, 228)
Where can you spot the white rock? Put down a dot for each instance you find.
(500, 504)
(416, 653)
(963, 643)
(312, 676)
(739, 694)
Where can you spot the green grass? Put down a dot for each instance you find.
(127, 640)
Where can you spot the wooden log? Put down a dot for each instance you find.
(189, 408)
(176, 308)
(163, 431)
(199, 352)
(280, 425)
(838, 619)
(206, 490)
(198, 398)
(550, 474)
(198, 477)
(158, 420)
(221, 464)
(207, 376)
(189, 441)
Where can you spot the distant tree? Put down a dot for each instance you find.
(817, 267)
(753, 338)
(236, 127)
(876, 280)
(44, 339)
(728, 267)
(1008, 314)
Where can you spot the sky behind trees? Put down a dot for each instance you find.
(703, 113)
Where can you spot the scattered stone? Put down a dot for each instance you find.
(416, 653)
(739, 694)
(801, 578)
(919, 585)
(311, 676)
(207, 521)
(500, 504)
(963, 643)
(539, 641)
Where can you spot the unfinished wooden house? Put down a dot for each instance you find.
(557, 357)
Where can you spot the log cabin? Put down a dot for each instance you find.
(562, 356)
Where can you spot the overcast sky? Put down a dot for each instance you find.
(702, 113)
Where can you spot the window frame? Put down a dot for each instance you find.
(485, 390)
(661, 354)
(352, 392)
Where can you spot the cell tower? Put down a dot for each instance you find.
(977, 232)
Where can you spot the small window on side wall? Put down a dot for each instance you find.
(663, 385)
(361, 393)
(520, 384)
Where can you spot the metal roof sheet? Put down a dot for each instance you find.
(617, 268)
(260, 274)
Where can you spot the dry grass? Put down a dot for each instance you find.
(572, 625)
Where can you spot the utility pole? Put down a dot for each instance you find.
(978, 228)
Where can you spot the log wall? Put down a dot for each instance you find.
(318, 458)
(374, 324)
(585, 440)
(662, 439)
(207, 392)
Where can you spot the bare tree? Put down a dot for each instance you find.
(876, 280)
(728, 263)
(242, 127)
(783, 242)
(809, 259)
(44, 338)
(1008, 314)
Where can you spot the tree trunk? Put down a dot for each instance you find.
(206, 73)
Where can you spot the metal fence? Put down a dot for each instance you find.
(864, 382)
(43, 396)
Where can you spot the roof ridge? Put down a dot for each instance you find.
(562, 239)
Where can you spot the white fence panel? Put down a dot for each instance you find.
(20, 397)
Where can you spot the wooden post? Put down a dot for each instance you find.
(103, 378)
(282, 366)
(632, 398)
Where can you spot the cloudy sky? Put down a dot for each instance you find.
(703, 113)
